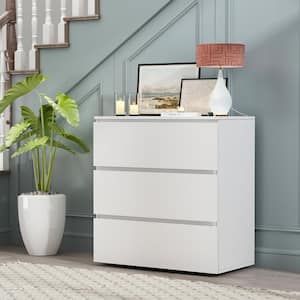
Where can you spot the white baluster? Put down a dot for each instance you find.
(34, 40)
(62, 23)
(20, 55)
(78, 8)
(3, 47)
(48, 27)
(91, 8)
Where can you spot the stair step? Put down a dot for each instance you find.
(46, 46)
(83, 18)
(23, 72)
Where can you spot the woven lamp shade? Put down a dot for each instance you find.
(220, 55)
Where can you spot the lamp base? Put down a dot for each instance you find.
(220, 99)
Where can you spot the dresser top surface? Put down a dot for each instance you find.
(159, 118)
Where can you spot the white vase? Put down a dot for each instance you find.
(220, 101)
(42, 222)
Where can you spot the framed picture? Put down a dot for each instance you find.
(195, 93)
(159, 86)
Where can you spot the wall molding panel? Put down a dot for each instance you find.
(136, 52)
(4, 209)
(112, 52)
(165, 28)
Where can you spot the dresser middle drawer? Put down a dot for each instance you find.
(174, 196)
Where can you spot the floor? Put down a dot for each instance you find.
(249, 277)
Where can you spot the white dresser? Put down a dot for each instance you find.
(174, 193)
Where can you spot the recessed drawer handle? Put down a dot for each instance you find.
(156, 220)
(156, 170)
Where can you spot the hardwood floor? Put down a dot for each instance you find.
(249, 277)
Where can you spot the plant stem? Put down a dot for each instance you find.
(52, 155)
(38, 168)
(44, 153)
(35, 171)
(50, 170)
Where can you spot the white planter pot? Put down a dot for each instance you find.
(42, 222)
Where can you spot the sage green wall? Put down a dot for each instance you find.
(4, 193)
(104, 56)
(4, 210)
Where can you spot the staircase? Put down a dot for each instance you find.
(44, 33)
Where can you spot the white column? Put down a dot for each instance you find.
(62, 23)
(91, 8)
(79, 8)
(48, 26)
(34, 39)
(20, 55)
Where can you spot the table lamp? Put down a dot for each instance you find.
(221, 56)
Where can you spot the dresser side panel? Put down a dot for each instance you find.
(236, 189)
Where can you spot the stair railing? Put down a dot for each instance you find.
(8, 46)
(54, 34)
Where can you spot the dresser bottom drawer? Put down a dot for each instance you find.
(192, 248)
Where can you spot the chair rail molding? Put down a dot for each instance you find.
(5, 230)
(275, 251)
(277, 229)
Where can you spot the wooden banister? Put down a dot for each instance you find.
(8, 18)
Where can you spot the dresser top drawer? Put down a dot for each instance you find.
(168, 145)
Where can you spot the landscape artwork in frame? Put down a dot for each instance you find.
(195, 94)
(159, 86)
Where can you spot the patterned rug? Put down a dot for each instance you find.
(37, 281)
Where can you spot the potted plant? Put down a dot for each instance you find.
(42, 212)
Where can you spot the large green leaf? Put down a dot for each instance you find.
(31, 145)
(15, 132)
(48, 116)
(61, 146)
(66, 107)
(20, 89)
(26, 135)
(29, 117)
(2, 148)
(61, 132)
